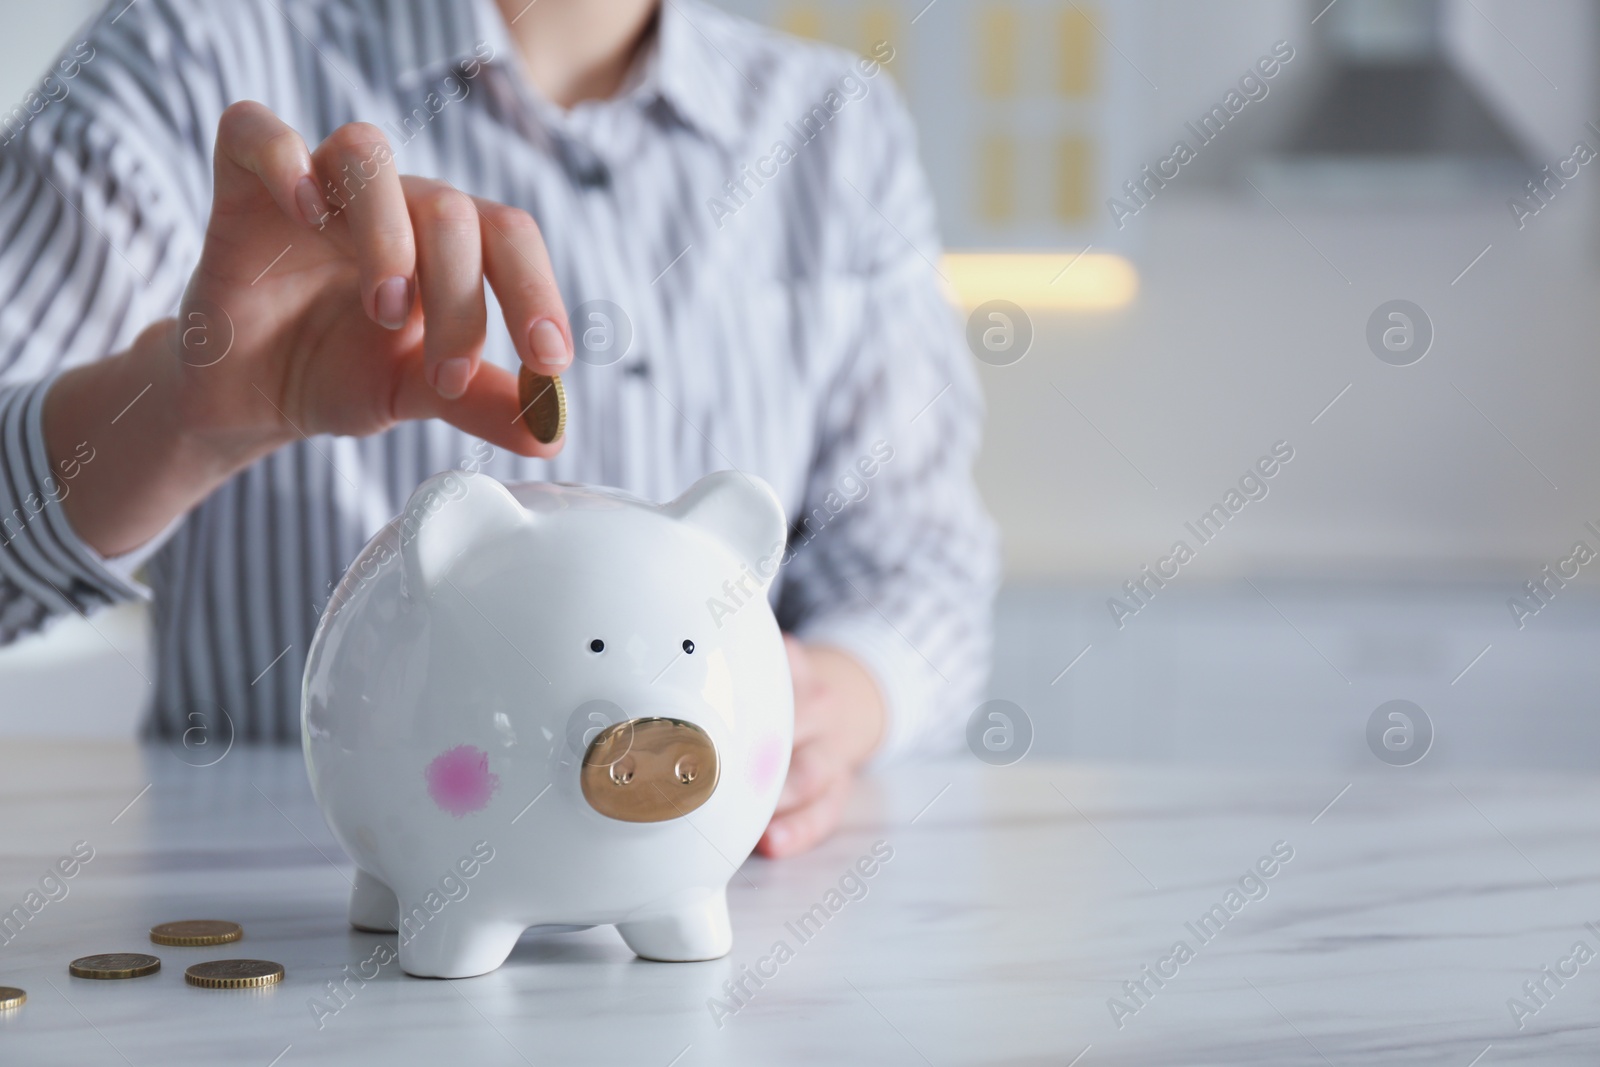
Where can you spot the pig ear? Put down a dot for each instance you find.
(447, 517)
(742, 511)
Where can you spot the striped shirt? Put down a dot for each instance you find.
(742, 232)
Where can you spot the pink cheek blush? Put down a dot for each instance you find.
(765, 765)
(459, 780)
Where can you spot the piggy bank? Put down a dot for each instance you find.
(552, 705)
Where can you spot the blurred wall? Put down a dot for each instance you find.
(1251, 317)
(1480, 458)
(34, 33)
(1535, 62)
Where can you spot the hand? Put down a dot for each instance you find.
(839, 721)
(333, 296)
(354, 295)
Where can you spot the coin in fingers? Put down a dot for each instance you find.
(544, 405)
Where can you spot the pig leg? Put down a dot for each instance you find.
(373, 907)
(456, 942)
(695, 931)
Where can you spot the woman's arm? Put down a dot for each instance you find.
(302, 311)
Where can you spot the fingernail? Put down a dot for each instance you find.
(393, 302)
(777, 837)
(549, 344)
(311, 205)
(450, 377)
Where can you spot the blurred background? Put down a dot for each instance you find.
(1169, 317)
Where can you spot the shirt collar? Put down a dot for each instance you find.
(693, 74)
(427, 38)
(682, 66)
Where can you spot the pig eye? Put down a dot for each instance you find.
(597, 645)
(688, 645)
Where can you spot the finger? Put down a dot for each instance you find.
(810, 775)
(816, 714)
(357, 168)
(799, 663)
(806, 827)
(814, 725)
(517, 264)
(449, 282)
(488, 409)
(256, 150)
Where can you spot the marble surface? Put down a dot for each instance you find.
(1017, 902)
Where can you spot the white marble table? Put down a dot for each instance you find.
(1017, 903)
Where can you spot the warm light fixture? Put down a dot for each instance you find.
(1043, 281)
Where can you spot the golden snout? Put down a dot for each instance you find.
(649, 770)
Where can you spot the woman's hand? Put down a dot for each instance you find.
(352, 298)
(332, 296)
(839, 722)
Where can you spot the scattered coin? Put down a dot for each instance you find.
(114, 965)
(234, 974)
(11, 997)
(544, 404)
(193, 932)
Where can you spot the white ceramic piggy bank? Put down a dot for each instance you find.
(520, 711)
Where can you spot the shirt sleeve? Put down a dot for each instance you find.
(894, 558)
(97, 238)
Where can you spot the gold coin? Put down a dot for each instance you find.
(234, 974)
(192, 932)
(544, 404)
(11, 997)
(114, 965)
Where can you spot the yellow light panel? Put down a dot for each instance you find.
(1075, 61)
(997, 177)
(802, 20)
(998, 32)
(878, 24)
(1074, 177)
(1043, 281)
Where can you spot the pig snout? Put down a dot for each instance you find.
(649, 769)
